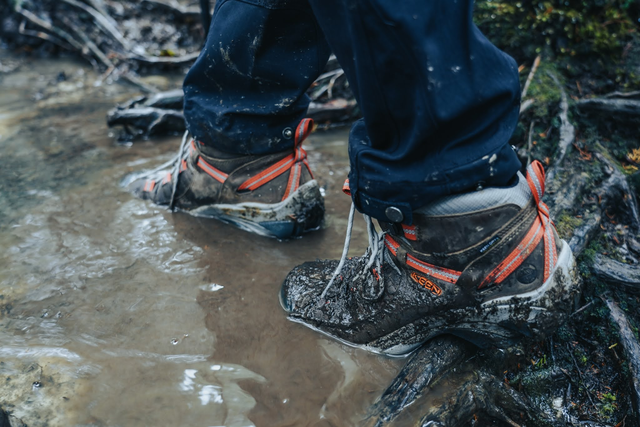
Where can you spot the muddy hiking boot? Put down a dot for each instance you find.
(486, 266)
(273, 195)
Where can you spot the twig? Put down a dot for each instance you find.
(137, 82)
(530, 142)
(630, 345)
(102, 22)
(616, 94)
(526, 105)
(567, 130)
(581, 309)
(534, 68)
(97, 53)
(43, 36)
(173, 60)
(48, 27)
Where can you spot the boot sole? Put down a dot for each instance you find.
(301, 212)
(498, 322)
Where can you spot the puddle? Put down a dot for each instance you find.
(115, 312)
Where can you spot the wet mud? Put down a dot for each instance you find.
(116, 312)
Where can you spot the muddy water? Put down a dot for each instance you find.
(115, 312)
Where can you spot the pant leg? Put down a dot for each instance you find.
(248, 84)
(440, 102)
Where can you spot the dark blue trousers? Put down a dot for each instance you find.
(439, 101)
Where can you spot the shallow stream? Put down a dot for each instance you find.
(114, 312)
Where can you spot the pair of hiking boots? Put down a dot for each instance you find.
(487, 266)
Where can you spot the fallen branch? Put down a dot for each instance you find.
(630, 345)
(105, 23)
(625, 106)
(617, 273)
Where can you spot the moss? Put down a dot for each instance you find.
(565, 225)
(562, 27)
(564, 334)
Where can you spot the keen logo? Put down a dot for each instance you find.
(427, 284)
(488, 245)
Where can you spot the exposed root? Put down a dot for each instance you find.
(567, 131)
(617, 192)
(631, 347)
(426, 367)
(479, 393)
(617, 273)
(619, 106)
(634, 94)
(582, 235)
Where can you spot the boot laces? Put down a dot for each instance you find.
(176, 169)
(375, 254)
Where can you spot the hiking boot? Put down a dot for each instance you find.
(273, 195)
(486, 266)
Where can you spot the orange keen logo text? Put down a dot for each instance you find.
(427, 284)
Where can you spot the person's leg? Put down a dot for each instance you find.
(247, 89)
(244, 106)
(440, 103)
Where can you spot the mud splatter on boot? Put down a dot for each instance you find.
(273, 195)
(486, 266)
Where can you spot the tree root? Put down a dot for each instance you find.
(426, 366)
(630, 345)
(617, 273)
(617, 192)
(567, 131)
(624, 106)
(479, 393)
(583, 234)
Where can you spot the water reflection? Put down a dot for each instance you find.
(126, 314)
